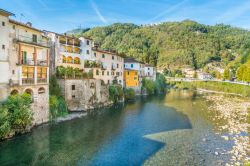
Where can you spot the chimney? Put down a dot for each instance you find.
(29, 24)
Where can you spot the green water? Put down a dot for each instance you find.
(116, 136)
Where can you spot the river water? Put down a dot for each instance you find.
(174, 129)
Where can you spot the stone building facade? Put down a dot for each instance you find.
(84, 94)
(25, 65)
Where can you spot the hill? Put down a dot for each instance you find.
(175, 44)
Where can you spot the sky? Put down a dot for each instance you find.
(63, 15)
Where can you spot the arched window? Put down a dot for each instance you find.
(14, 92)
(77, 60)
(41, 90)
(69, 59)
(29, 91)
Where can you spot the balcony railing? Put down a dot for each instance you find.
(41, 80)
(28, 81)
(33, 41)
(28, 62)
(42, 63)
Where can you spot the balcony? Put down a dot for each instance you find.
(42, 63)
(30, 40)
(41, 80)
(28, 81)
(28, 62)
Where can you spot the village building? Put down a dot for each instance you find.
(111, 66)
(66, 51)
(24, 64)
(150, 72)
(133, 74)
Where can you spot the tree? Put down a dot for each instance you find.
(129, 94)
(149, 85)
(226, 75)
(19, 108)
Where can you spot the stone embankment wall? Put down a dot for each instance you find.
(84, 94)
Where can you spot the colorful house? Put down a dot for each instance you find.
(134, 72)
(24, 64)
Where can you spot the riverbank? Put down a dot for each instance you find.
(233, 112)
(243, 90)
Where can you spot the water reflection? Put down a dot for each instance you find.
(110, 137)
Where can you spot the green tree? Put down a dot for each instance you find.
(129, 94)
(226, 75)
(5, 127)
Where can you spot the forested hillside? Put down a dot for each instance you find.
(175, 44)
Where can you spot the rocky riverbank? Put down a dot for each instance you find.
(231, 114)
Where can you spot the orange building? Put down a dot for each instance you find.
(131, 78)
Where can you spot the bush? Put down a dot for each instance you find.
(5, 127)
(15, 115)
(160, 83)
(149, 85)
(129, 94)
(58, 107)
(115, 93)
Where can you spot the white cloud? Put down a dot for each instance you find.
(97, 11)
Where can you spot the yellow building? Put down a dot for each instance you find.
(131, 78)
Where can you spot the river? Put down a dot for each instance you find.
(174, 129)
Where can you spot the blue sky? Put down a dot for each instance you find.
(63, 15)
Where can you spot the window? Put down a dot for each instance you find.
(95, 54)
(28, 74)
(3, 23)
(117, 65)
(108, 81)
(73, 87)
(34, 38)
(87, 42)
(113, 57)
(41, 90)
(97, 72)
(128, 72)
(103, 73)
(13, 71)
(120, 81)
(3, 47)
(87, 51)
(132, 65)
(103, 56)
(73, 96)
(41, 74)
(148, 69)
(117, 73)
(108, 73)
(136, 73)
(14, 27)
(135, 78)
(112, 73)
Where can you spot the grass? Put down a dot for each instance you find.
(243, 90)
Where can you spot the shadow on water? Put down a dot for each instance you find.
(112, 136)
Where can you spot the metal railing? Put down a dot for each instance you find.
(42, 63)
(41, 80)
(28, 81)
(31, 40)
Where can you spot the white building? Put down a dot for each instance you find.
(111, 68)
(24, 64)
(150, 72)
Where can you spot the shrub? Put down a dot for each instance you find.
(115, 93)
(58, 107)
(160, 83)
(15, 115)
(129, 94)
(5, 127)
(149, 85)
